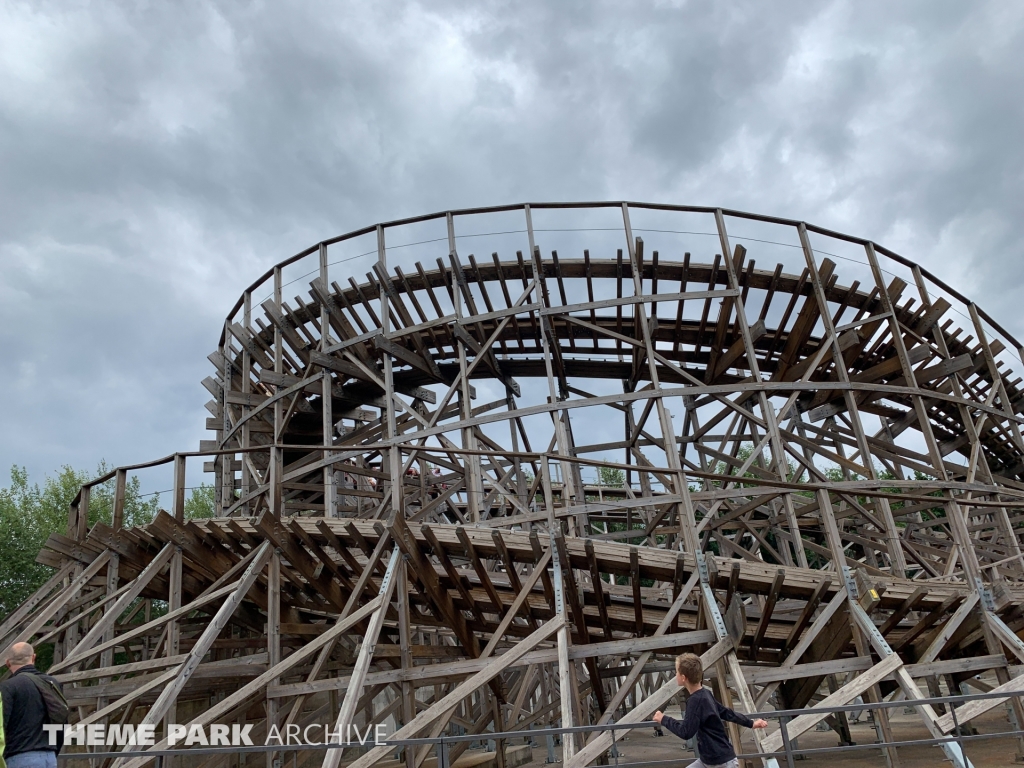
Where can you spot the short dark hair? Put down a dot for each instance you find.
(689, 665)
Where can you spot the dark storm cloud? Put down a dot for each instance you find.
(157, 158)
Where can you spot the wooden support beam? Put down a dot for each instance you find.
(43, 615)
(517, 605)
(935, 533)
(346, 714)
(634, 580)
(767, 610)
(439, 708)
(243, 695)
(182, 674)
(972, 709)
(100, 628)
(844, 695)
(642, 712)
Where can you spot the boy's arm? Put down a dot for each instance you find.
(688, 726)
(734, 717)
(685, 728)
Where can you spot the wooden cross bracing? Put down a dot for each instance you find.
(505, 492)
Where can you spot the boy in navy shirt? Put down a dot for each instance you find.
(704, 718)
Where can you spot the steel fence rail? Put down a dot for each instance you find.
(788, 752)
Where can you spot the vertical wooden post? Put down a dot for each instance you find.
(247, 473)
(470, 463)
(547, 350)
(346, 714)
(767, 411)
(80, 529)
(327, 398)
(120, 486)
(275, 501)
(173, 643)
(688, 519)
(113, 565)
(273, 636)
(178, 492)
(405, 644)
(393, 454)
(83, 513)
(226, 493)
(566, 670)
(173, 628)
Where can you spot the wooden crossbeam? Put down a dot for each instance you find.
(350, 373)
(485, 675)
(844, 695)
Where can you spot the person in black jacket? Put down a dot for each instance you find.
(28, 744)
(704, 716)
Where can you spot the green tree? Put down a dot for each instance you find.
(29, 514)
(201, 503)
(611, 477)
(27, 518)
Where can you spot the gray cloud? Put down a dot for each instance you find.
(156, 159)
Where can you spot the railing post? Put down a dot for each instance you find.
(958, 732)
(178, 491)
(1018, 726)
(785, 741)
(120, 486)
(83, 513)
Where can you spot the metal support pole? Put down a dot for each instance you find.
(958, 732)
(785, 741)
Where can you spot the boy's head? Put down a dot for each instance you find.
(689, 669)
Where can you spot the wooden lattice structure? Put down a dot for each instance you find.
(411, 523)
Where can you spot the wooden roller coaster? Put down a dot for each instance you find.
(493, 493)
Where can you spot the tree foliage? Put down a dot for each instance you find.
(611, 477)
(29, 513)
(201, 503)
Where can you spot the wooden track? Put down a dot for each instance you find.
(406, 474)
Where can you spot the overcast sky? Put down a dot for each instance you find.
(156, 158)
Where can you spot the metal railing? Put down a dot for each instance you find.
(443, 744)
